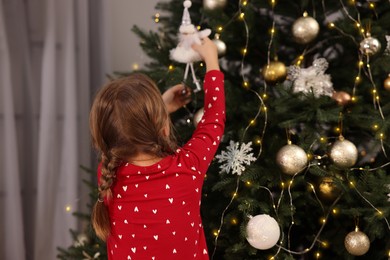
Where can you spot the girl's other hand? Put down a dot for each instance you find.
(176, 97)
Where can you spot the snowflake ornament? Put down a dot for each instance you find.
(235, 158)
(312, 79)
(387, 50)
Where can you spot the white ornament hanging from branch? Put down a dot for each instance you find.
(188, 35)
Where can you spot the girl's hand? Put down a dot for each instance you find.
(209, 53)
(176, 97)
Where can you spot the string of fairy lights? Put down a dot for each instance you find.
(363, 67)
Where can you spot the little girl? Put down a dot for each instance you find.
(150, 189)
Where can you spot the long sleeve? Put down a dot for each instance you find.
(207, 136)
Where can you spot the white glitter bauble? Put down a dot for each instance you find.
(214, 4)
(357, 243)
(305, 29)
(198, 116)
(291, 159)
(343, 153)
(262, 232)
(370, 46)
(221, 47)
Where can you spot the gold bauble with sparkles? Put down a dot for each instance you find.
(198, 116)
(341, 97)
(212, 5)
(370, 45)
(327, 189)
(221, 47)
(274, 72)
(305, 29)
(357, 243)
(386, 83)
(343, 153)
(291, 159)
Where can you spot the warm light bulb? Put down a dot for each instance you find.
(68, 208)
(244, 3)
(331, 25)
(156, 17)
(220, 28)
(361, 63)
(372, 5)
(170, 67)
(242, 15)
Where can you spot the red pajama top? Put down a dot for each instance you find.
(155, 210)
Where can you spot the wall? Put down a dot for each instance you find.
(125, 49)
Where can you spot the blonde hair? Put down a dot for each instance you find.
(128, 116)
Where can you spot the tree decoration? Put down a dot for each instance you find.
(370, 45)
(387, 50)
(341, 97)
(198, 116)
(343, 153)
(291, 159)
(328, 189)
(312, 79)
(221, 46)
(357, 243)
(262, 232)
(305, 29)
(274, 72)
(212, 5)
(188, 35)
(235, 158)
(386, 83)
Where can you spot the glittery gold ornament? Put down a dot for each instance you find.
(386, 83)
(343, 153)
(221, 46)
(370, 45)
(291, 159)
(357, 243)
(198, 116)
(328, 189)
(212, 5)
(305, 29)
(274, 72)
(341, 97)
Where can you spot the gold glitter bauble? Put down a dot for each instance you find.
(214, 4)
(291, 159)
(305, 29)
(274, 72)
(344, 153)
(386, 83)
(221, 47)
(370, 46)
(198, 116)
(357, 243)
(341, 97)
(328, 189)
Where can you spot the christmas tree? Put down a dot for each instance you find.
(302, 171)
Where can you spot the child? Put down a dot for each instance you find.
(150, 190)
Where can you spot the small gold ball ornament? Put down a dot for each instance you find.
(221, 46)
(305, 29)
(274, 72)
(386, 83)
(198, 116)
(291, 159)
(357, 243)
(328, 189)
(341, 97)
(212, 5)
(343, 153)
(370, 45)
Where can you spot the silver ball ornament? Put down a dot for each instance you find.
(198, 116)
(343, 153)
(214, 4)
(370, 46)
(221, 47)
(305, 29)
(291, 159)
(357, 243)
(262, 232)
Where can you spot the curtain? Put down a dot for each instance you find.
(48, 74)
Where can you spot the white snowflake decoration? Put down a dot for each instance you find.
(387, 50)
(312, 79)
(235, 158)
